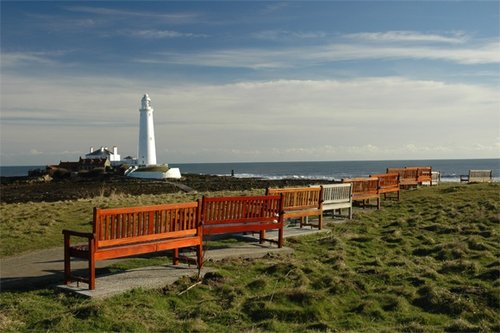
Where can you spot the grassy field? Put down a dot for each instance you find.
(37, 225)
(429, 263)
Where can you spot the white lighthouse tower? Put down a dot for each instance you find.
(146, 166)
(147, 147)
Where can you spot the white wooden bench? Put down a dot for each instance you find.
(337, 197)
(478, 176)
(436, 177)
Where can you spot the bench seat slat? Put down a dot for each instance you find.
(146, 238)
(231, 228)
(143, 248)
(294, 213)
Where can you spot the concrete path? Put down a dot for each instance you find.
(44, 268)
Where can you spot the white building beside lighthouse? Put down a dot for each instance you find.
(147, 147)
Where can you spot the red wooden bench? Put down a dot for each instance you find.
(228, 215)
(364, 189)
(388, 183)
(301, 202)
(412, 176)
(122, 232)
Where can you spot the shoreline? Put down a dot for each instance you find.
(38, 189)
(30, 189)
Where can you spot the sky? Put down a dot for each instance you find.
(250, 81)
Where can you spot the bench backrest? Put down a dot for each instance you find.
(241, 209)
(424, 174)
(387, 180)
(116, 226)
(412, 174)
(436, 177)
(336, 193)
(298, 198)
(363, 185)
(480, 175)
(405, 174)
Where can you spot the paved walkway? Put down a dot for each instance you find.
(44, 268)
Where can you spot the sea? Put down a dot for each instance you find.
(450, 170)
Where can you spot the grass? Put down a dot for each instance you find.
(37, 225)
(426, 264)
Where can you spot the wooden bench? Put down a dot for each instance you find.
(301, 202)
(436, 177)
(337, 197)
(364, 189)
(424, 175)
(388, 183)
(412, 176)
(122, 232)
(478, 176)
(229, 215)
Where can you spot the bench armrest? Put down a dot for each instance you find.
(88, 235)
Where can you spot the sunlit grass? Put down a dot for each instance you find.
(426, 264)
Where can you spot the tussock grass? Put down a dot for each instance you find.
(426, 264)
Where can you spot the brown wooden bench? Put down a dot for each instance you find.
(412, 176)
(229, 215)
(301, 202)
(364, 189)
(388, 183)
(122, 232)
(424, 175)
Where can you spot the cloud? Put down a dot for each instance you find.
(488, 53)
(408, 36)
(160, 34)
(173, 18)
(280, 35)
(235, 58)
(364, 118)
(294, 57)
(14, 59)
(273, 8)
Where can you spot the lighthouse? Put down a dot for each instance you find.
(146, 166)
(147, 147)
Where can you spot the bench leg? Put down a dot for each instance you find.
(320, 223)
(91, 265)
(67, 261)
(175, 257)
(199, 255)
(280, 237)
(91, 273)
(262, 236)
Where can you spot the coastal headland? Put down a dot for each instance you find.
(34, 189)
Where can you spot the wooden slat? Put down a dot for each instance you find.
(147, 238)
(299, 197)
